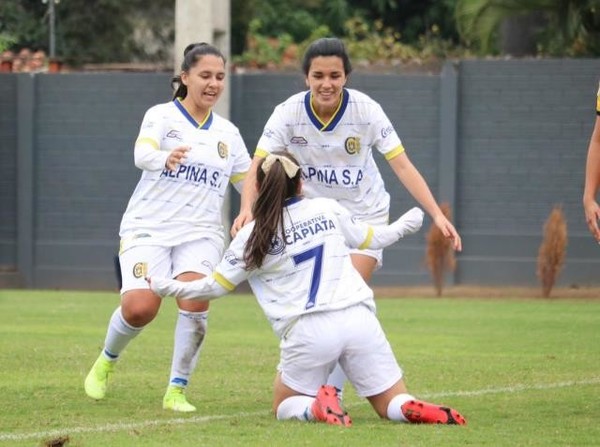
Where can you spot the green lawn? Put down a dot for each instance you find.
(523, 372)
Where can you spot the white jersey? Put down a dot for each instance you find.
(336, 157)
(309, 271)
(172, 207)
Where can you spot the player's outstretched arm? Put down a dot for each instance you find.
(201, 289)
(362, 235)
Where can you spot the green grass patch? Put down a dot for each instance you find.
(523, 372)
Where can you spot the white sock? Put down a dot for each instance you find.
(394, 410)
(337, 378)
(189, 335)
(118, 335)
(296, 407)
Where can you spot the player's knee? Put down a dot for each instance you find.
(139, 313)
(139, 317)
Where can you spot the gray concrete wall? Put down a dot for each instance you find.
(524, 128)
(502, 141)
(8, 172)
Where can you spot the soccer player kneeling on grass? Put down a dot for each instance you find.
(295, 256)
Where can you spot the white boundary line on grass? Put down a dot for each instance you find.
(199, 419)
(513, 389)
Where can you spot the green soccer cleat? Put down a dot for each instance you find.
(175, 400)
(97, 379)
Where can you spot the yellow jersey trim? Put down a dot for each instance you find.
(237, 178)
(368, 239)
(260, 153)
(150, 141)
(223, 282)
(394, 153)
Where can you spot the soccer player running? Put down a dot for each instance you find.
(172, 226)
(592, 177)
(333, 131)
(295, 255)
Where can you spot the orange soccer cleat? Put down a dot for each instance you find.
(326, 408)
(419, 412)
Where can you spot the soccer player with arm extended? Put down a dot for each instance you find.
(172, 226)
(592, 177)
(295, 255)
(333, 131)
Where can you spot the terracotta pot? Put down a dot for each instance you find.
(54, 66)
(6, 66)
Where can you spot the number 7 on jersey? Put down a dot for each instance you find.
(317, 254)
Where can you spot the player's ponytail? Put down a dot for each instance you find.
(278, 177)
(192, 54)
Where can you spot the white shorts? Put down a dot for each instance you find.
(352, 336)
(199, 256)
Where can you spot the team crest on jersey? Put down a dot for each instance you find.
(352, 145)
(299, 140)
(277, 246)
(222, 149)
(140, 269)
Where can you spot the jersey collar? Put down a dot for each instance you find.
(337, 115)
(292, 200)
(203, 125)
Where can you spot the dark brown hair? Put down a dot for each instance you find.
(326, 46)
(274, 188)
(191, 55)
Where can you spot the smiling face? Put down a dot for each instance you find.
(326, 79)
(205, 82)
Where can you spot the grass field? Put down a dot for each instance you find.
(524, 372)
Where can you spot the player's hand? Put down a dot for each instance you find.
(592, 216)
(243, 218)
(448, 231)
(176, 157)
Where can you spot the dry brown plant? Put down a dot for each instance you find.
(440, 255)
(553, 249)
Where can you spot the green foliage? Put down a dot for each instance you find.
(297, 18)
(413, 19)
(572, 27)
(22, 24)
(99, 31)
(263, 51)
(241, 15)
(377, 43)
(6, 41)
(379, 31)
(92, 30)
(367, 43)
